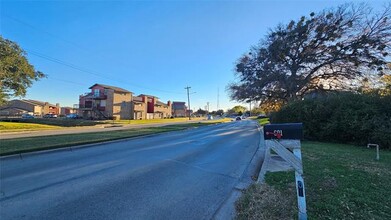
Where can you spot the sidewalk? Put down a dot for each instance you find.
(86, 129)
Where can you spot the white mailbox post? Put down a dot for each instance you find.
(284, 139)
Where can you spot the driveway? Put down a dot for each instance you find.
(179, 175)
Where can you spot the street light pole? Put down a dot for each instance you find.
(188, 100)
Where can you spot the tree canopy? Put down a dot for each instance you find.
(16, 73)
(319, 52)
(237, 110)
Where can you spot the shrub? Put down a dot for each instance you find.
(342, 117)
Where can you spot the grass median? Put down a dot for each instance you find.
(17, 126)
(60, 122)
(342, 182)
(23, 145)
(36, 124)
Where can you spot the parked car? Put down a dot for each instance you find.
(73, 116)
(238, 118)
(50, 115)
(27, 116)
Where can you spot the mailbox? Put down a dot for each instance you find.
(283, 131)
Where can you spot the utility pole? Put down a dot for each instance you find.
(188, 100)
(208, 106)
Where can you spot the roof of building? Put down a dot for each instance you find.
(117, 89)
(10, 107)
(137, 98)
(161, 103)
(36, 102)
(151, 96)
(179, 105)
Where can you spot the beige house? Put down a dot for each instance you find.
(17, 107)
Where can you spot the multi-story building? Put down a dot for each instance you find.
(106, 102)
(110, 102)
(156, 108)
(18, 107)
(179, 109)
(67, 110)
(140, 107)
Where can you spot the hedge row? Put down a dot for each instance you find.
(342, 117)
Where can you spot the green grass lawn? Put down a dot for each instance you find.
(61, 122)
(55, 123)
(263, 121)
(22, 145)
(342, 182)
(18, 126)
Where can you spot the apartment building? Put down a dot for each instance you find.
(17, 107)
(179, 109)
(106, 102)
(110, 102)
(140, 107)
(156, 108)
(67, 110)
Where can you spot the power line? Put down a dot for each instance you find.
(67, 81)
(81, 69)
(72, 65)
(45, 32)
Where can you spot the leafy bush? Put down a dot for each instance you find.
(342, 117)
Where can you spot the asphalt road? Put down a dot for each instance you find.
(85, 129)
(179, 175)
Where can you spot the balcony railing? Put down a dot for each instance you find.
(99, 96)
(83, 106)
(94, 95)
(89, 107)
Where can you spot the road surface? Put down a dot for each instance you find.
(179, 175)
(85, 129)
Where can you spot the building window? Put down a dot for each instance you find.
(96, 92)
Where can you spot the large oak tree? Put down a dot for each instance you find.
(321, 52)
(16, 73)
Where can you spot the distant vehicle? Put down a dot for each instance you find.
(50, 115)
(261, 116)
(27, 116)
(210, 117)
(238, 118)
(73, 115)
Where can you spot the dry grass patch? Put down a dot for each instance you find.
(262, 201)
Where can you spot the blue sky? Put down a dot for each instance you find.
(150, 47)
